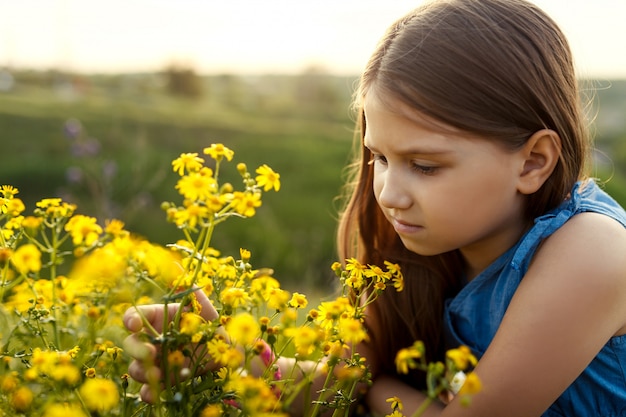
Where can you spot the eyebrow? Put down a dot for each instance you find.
(417, 151)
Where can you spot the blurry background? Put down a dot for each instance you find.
(97, 98)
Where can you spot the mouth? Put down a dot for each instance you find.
(404, 228)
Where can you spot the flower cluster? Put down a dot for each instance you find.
(455, 377)
(66, 280)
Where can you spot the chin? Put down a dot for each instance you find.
(420, 249)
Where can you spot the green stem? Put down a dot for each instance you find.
(422, 408)
(4, 283)
(53, 271)
(320, 398)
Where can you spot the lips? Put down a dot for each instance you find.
(403, 227)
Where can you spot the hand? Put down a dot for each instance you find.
(144, 367)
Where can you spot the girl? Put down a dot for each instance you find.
(472, 177)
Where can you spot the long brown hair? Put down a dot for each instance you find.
(500, 69)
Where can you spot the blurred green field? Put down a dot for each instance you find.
(299, 125)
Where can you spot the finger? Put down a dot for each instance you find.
(152, 313)
(152, 386)
(208, 311)
(143, 373)
(147, 394)
(138, 349)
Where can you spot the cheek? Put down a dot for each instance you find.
(377, 186)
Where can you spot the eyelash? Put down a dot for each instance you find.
(422, 169)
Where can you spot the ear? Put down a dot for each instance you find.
(540, 155)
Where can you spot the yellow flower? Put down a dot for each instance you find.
(349, 372)
(49, 202)
(462, 357)
(44, 360)
(352, 331)
(99, 395)
(31, 222)
(102, 269)
(8, 191)
(277, 298)
(191, 215)
(267, 178)
(90, 372)
(298, 300)
(246, 203)
(114, 351)
(262, 286)
(374, 271)
(356, 271)
(224, 353)
(398, 283)
(331, 311)
(234, 297)
(243, 329)
(187, 161)
(218, 151)
(64, 410)
(115, 228)
(27, 258)
(355, 280)
(406, 359)
(197, 186)
(222, 374)
(226, 270)
(176, 359)
(8, 382)
(472, 385)
(190, 323)
(212, 410)
(396, 403)
(245, 254)
(304, 339)
(21, 399)
(73, 352)
(256, 395)
(13, 207)
(67, 373)
(5, 254)
(56, 208)
(334, 348)
(83, 229)
(354, 265)
(394, 269)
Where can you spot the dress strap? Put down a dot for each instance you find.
(543, 227)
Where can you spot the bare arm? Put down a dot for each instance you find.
(571, 301)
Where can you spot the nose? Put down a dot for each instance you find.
(391, 190)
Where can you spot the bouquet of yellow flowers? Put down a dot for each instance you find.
(66, 281)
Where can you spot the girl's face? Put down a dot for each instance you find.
(442, 189)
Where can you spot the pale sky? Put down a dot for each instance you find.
(254, 36)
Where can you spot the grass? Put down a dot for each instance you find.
(285, 122)
(139, 135)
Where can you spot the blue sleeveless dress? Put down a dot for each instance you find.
(473, 316)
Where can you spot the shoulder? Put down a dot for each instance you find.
(584, 260)
(570, 302)
(591, 241)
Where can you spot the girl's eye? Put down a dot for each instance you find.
(423, 169)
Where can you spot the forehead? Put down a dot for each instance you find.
(376, 103)
(392, 126)
(390, 129)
